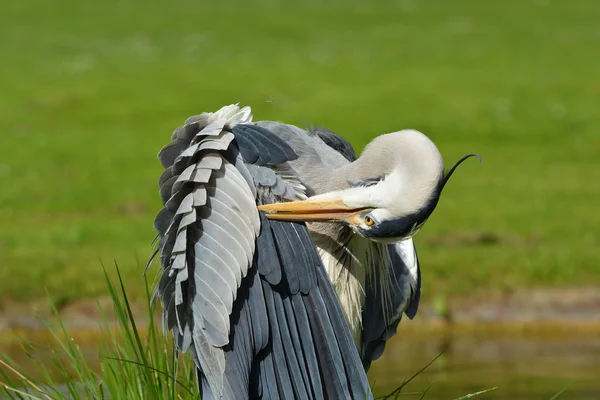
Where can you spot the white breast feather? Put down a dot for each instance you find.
(348, 283)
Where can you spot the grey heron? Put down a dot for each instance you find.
(286, 260)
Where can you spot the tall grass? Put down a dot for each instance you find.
(134, 363)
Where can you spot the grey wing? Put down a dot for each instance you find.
(336, 142)
(208, 227)
(247, 297)
(287, 343)
(390, 291)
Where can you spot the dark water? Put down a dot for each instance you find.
(520, 366)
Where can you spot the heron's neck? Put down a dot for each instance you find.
(340, 178)
(345, 264)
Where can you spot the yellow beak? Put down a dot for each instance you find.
(311, 211)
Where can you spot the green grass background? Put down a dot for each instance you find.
(90, 91)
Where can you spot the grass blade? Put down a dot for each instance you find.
(468, 396)
(557, 395)
(407, 381)
(20, 375)
(425, 391)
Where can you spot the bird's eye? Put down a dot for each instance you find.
(369, 221)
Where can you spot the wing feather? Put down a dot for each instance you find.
(258, 318)
(284, 382)
(209, 248)
(235, 194)
(267, 259)
(241, 181)
(397, 275)
(263, 176)
(218, 282)
(328, 354)
(287, 255)
(222, 235)
(215, 254)
(264, 156)
(170, 152)
(240, 166)
(213, 313)
(247, 149)
(307, 278)
(288, 355)
(276, 155)
(285, 150)
(247, 297)
(231, 222)
(295, 350)
(307, 342)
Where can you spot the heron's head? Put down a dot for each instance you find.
(393, 188)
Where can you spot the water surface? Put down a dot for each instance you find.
(521, 366)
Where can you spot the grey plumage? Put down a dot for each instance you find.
(247, 297)
(335, 141)
(271, 307)
(323, 153)
(267, 259)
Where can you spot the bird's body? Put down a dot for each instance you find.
(267, 308)
(325, 164)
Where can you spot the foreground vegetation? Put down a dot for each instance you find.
(90, 91)
(134, 364)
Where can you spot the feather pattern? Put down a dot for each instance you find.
(246, 296)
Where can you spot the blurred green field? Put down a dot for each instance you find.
(90, 91)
